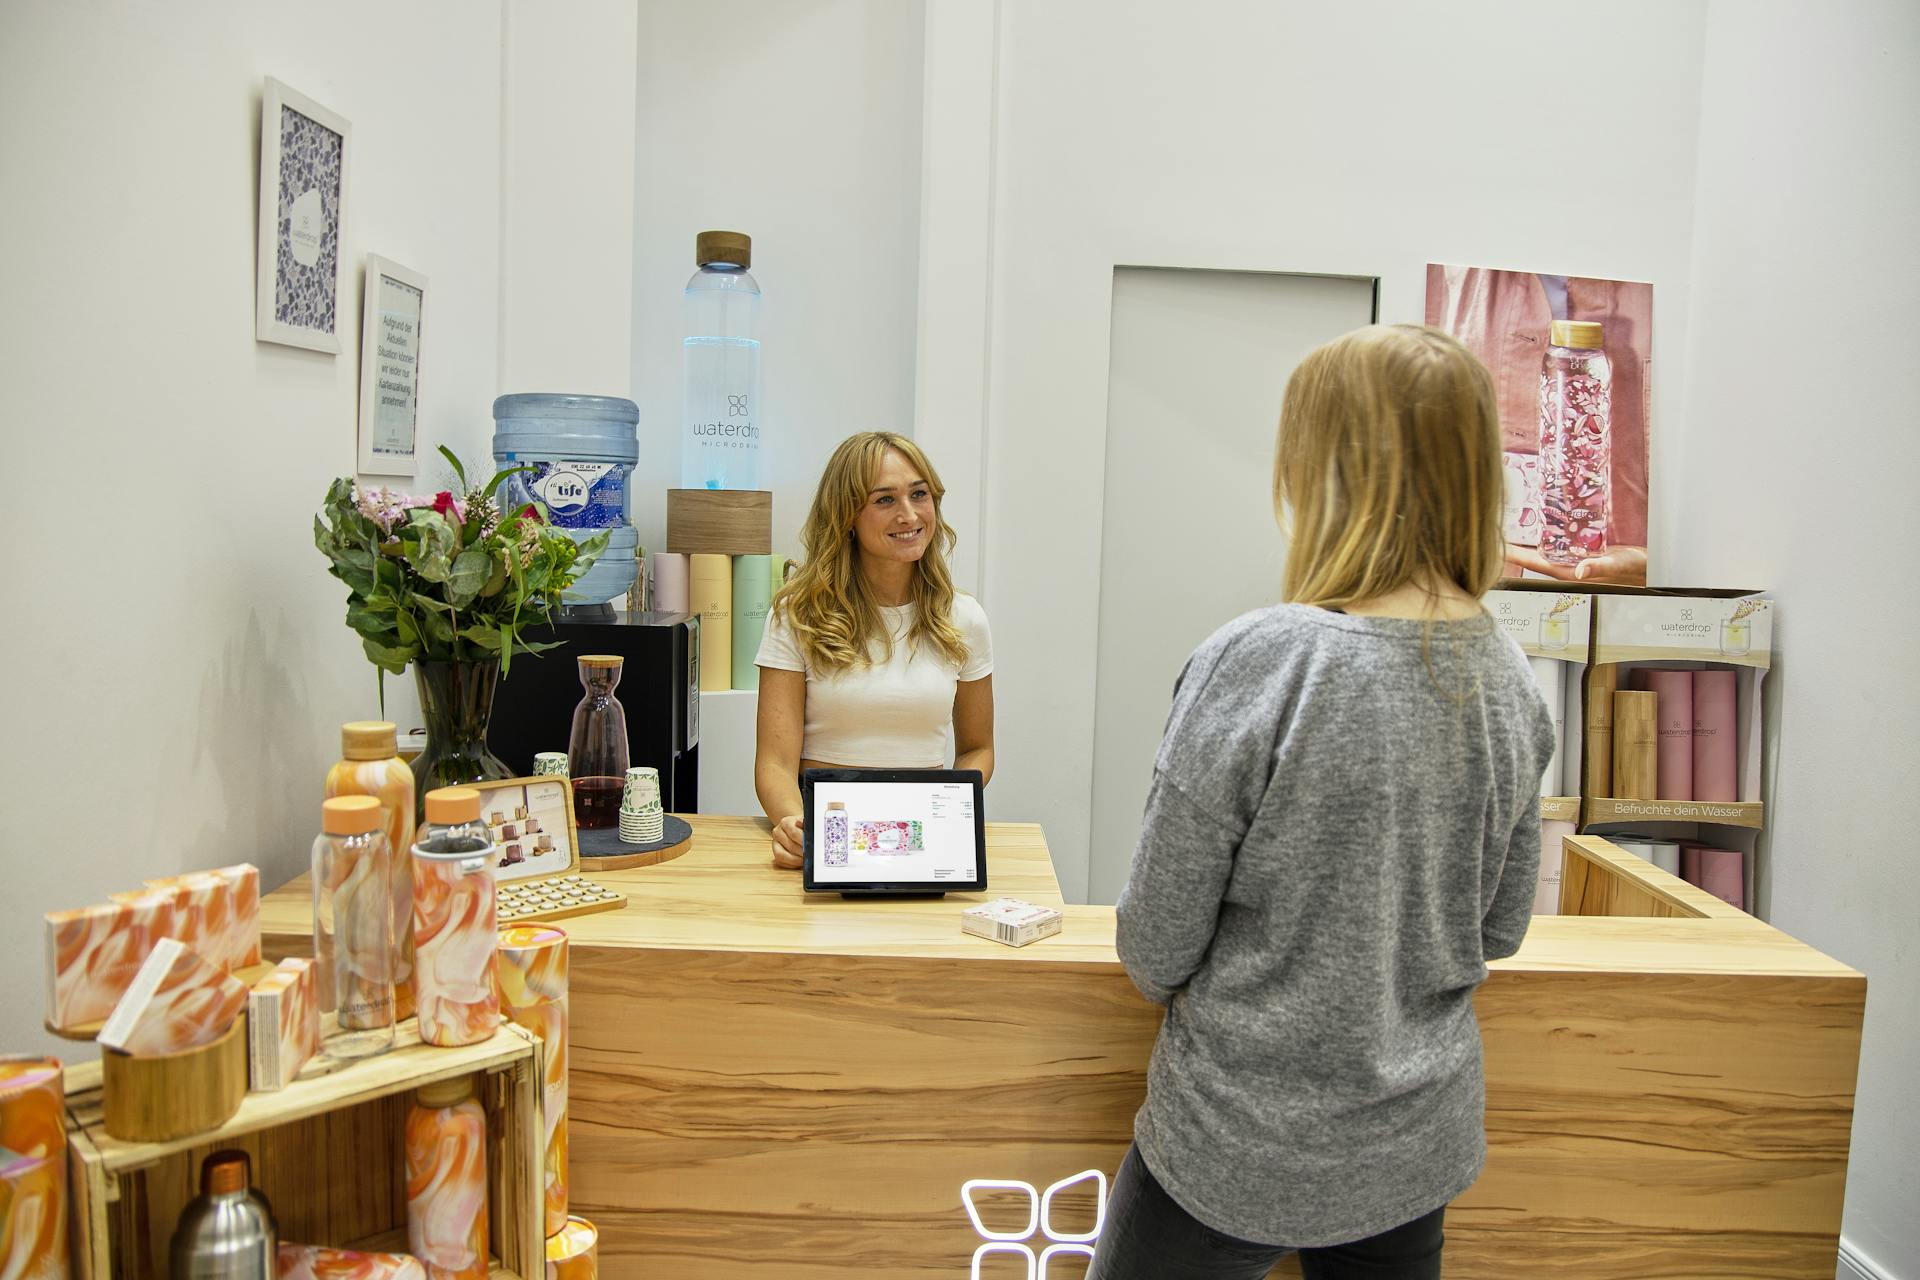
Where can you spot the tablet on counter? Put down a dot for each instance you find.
(894, 831)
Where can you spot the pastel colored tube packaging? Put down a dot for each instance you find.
(573, 1252)
(1673, 714)
(455, 947)
(533, 994)
(1715, 772)
(314, 1262)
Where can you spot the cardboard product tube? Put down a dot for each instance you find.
(572, 1252)
(1546, 894)
(1603, 682)
(752, 590)
(1665, 855)
(1714, 755)
(1549, 675)
(1635, 745)
(1723, 873)
(669, 570)
(1674, 750)
(533, 976)
(710, 594)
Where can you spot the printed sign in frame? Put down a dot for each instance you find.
(394, 313)
(303, 197)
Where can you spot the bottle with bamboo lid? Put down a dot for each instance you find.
(227, 1232)
(353, 928)
(1576, 443)
(454, 914)
(370, 765)
(446, 1146)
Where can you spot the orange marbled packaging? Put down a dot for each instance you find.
(177, 1001)
(313, 1262)
(283, 1023)
(33, 1218)
(390, 782)
(446, 1144)
(533, 993)
(242, 939)
(455, 949)
(572, 1252)
(203, 917)
(92, 955)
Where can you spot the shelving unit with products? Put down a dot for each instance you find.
(326, 1153)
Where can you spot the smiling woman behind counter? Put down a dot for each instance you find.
(870, 656)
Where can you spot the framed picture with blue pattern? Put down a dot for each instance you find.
(303, 197)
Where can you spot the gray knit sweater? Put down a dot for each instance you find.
(1343, 828)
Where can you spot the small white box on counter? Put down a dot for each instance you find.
(1011, 921)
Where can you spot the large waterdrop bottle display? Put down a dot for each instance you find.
(721, 353)
(1576, 443)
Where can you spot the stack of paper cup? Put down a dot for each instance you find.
(550, 764)
(642, 820)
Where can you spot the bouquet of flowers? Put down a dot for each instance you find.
(450, 578)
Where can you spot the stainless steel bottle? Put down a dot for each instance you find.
(226, 1232)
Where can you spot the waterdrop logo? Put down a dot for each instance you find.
(1060, 1243)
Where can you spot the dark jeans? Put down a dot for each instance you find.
(1148, 1236)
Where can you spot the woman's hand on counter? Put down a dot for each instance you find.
(787, 846)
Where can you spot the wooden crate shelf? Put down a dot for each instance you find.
(327, 1154)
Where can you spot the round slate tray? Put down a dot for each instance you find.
(602, 849)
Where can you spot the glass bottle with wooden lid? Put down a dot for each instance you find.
(597, 751)
(370, 765)
(353, 937)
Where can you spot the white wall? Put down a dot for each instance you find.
(566, 231)
(1800, 437)
(176, 665)
(799, 124)
(1361, 139)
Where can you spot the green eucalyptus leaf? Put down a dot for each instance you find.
(471, 569)
(436, 542)
(387, 657)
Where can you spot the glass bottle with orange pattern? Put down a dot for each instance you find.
(370, 765)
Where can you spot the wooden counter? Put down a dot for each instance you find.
(777, 1084)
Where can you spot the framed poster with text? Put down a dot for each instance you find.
(303, 195)
(395, 305)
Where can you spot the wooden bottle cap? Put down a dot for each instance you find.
(445, 1093)
(734, 248)
(369, 740)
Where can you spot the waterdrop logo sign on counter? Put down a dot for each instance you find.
(1039, 1224)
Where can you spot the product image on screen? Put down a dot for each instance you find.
(894, 832)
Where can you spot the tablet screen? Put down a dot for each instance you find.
(920, 833)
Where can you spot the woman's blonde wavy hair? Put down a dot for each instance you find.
(1387, 469)
(827, 602)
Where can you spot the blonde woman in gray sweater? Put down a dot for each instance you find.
(1343, 828)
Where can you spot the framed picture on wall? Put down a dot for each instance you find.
(303, 196)
(395, 306)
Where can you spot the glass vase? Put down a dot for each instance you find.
(456, 699)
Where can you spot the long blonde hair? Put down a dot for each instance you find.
(1387, 469)
(827, 602)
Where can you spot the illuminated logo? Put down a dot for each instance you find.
(1039, 1219)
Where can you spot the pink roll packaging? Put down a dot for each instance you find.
(670, 575)
(1673, 691)
(313, 1262)
(1722, 873)
(533, 993)
(177, 1001)
(283, 1023)
(1715, 745)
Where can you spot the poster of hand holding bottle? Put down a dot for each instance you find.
(1570, 357)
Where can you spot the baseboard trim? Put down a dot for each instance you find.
(1855, 1265)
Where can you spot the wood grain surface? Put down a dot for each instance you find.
(771, 1083)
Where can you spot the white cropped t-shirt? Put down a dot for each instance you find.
(893, 714)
